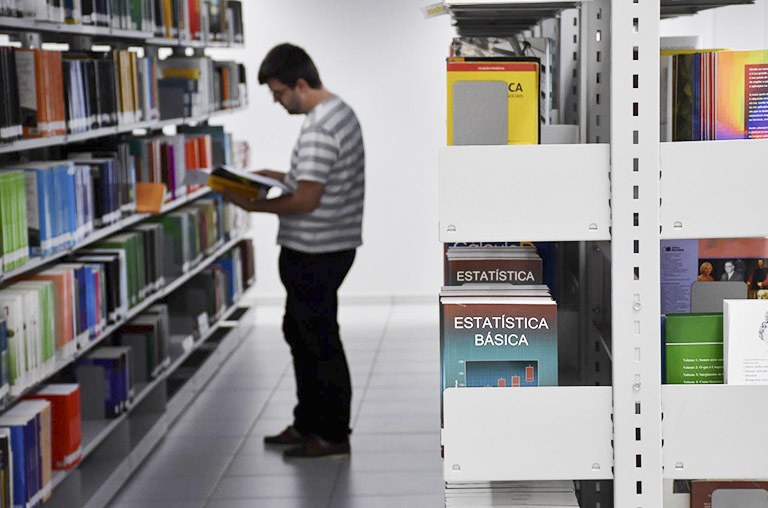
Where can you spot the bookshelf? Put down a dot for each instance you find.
(31, 144)
(97, 431)
(637, 433)
(114, 448)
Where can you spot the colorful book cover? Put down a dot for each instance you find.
(493, 101)
(498, 342)
(694, 348)
(742, 94)
(711, 261)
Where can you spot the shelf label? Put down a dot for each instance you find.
(434, 10)
(202, 323)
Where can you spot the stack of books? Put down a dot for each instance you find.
(194, 86)
(554, 494)
(148, 337)
(106, 382)
(497, 330)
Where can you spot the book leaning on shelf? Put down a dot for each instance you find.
(713, 94)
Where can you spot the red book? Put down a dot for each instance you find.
(66, 423)
(194, 20)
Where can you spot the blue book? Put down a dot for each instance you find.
(39, 227)
(71, 202)
(113, 389)
(90, 299)
(227, 265)
(21, 428)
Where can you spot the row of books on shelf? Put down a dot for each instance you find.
(714, 308)
(498, 319)
(199, 20)
(706, 94)
(50, 93)
(713, 94)
(50, 206)
(43, 432)
(52, 314)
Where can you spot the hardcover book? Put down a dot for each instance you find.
(514, 265)
(498, 341)
(66, 423)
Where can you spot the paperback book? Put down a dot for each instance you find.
(746, 342)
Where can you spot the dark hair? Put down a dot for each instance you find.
(288, 63)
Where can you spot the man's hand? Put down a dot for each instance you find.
(237, 200)
(271, 173)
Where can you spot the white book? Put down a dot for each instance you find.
(745, 344)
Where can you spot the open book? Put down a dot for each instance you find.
(225, 178)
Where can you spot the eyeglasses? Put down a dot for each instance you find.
(278, 94)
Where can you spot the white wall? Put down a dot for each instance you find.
(737, 27)
(387, 62)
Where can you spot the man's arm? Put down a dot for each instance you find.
(304, 200)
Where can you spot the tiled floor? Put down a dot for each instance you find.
(214, 456)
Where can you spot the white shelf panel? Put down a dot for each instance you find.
(715, 431)
(699, 198)
(545, 433)
(524, 193)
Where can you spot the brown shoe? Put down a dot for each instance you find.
(289, 436)
(315, 447)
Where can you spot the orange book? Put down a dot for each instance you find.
(41, 91)
(66, 423)
(56, 93)
(149, 197)
(225, 98)
(206, 152)
(63, 282)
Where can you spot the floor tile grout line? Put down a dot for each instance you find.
(248, 433)
(365, 390)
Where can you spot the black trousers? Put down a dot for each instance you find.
(310, 327)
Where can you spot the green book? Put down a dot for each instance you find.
(46, 318)
(21, 217)
(694, 348)
(128, 243)
(176, 242)
(5, 221)
(137, 14)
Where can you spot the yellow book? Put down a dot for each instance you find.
(493, 101)
(168, 18)
(181, 73)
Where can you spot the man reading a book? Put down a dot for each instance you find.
(320, 229)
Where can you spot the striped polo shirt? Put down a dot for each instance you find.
(329, 151)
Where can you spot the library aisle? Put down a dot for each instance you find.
(214, 456)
